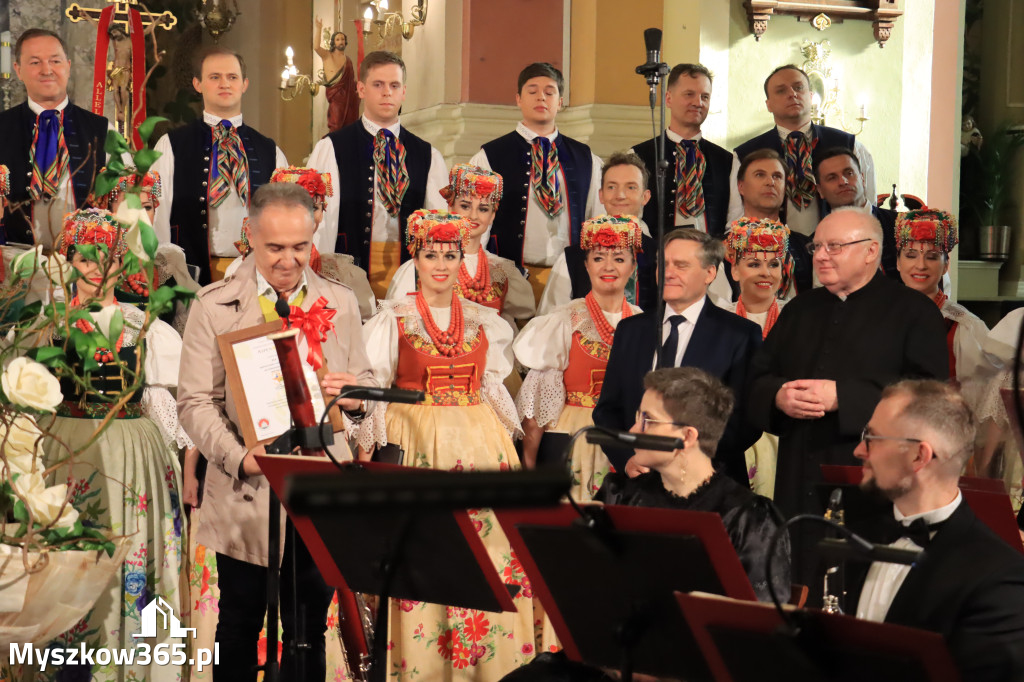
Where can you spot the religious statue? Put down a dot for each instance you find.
(339, 79)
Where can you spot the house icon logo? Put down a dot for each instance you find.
(159, 608)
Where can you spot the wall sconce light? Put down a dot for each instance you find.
(292, 81)
(825, 87)
(387, 22)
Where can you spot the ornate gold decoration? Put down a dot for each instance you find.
(821, 22)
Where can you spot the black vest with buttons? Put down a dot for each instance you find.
(84, 134)
(509, 157)
(718, 166)
(353, 151)
(192, 145)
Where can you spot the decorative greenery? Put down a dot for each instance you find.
(995, 170)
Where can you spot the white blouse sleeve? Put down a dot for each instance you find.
(519, 302)
(163, 357)
(499, 364)
(558, 290)
(381, 337)
(543, 346)
(403, 282)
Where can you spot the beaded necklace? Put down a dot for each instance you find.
(449, 341)
(769, 322)
(475, 288)
(604, 327)
(101, 354)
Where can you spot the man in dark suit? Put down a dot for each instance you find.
(969, 586)
(694, 333)
(52, 148)
(841, 183)
(797, 140)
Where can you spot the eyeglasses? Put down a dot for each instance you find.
(643, 419)
(866, 437)
(832, 248)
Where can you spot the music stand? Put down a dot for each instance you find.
(742, 641)
(986, 497)
(608, 588)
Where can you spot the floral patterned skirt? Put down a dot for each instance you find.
(129, 481)
(589, 464)
(761, 460)
(434, 642)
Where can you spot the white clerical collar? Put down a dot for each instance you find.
(677, 138)
(530, 136)
(212, 121)
(373, 128)
(691, 313)
(930, 517)
(39, 108)
(263, 288)
(784, 132)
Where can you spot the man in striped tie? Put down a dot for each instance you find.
(383, 172)
(211, 168)
(799, 142)
(52, 147)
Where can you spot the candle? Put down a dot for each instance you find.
(284, 79)
(863, 110)
(289, 53)
(5, 53)
(383, 5)
(367, 18)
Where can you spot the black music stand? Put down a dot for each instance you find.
(742, 642)
(608, 587)
(404, 532)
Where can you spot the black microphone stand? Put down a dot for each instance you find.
(654, 71)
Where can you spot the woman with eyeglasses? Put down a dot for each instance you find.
(689, 404)
(924, 239)
(567, 350)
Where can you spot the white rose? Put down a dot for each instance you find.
(20, 443)
(132, 217)
(45, 503)
(58, 269)
(28, 383)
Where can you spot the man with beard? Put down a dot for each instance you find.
(969, 585)
(340, 80)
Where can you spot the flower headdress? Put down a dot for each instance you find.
(5, 180)
(428, 227)
(150, 183)
(927, 225)
(468, 179)
(313, 181)
(749, 235)
(92, 226)
(612, 232)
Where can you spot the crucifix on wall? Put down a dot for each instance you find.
(122, 30)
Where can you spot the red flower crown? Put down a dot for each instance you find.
(612, 232)
(750, 235)
(467, 179)
(150, 184)
(428, 227)
(92, 226)
(5, 180)
(927, 225)
(313, 181)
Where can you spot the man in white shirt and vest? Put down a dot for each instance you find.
(382, 173)
(211, 167)
(969, 584)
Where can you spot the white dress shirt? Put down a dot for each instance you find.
(806, 221)
(48, 214)
(545, 237)
(225, 221)
(385, 227)
(884, 579)
(691, 314)
(699, 222)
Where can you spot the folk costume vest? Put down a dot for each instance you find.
(509, 156)
(353, 151)
(447, 381)
(192, 145)
(84, 135)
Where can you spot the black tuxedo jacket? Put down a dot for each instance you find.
(722, 344)
(969, 587)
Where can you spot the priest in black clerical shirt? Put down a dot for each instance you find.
(822, 369)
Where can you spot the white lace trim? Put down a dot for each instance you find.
(159, 405)
(497, 396)
(542, 396)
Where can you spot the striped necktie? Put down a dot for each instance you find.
(392, 176)
(545, 172)
(230, 168)
(800, 175)
(690, 166)
(48, 156)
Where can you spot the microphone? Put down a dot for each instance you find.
(653, 69)
(639, 441)
(383, 395)
(282, 309)
(858, 548)
(652, 41)
(834, 512)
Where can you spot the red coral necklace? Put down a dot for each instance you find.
(102, 354)
(449, 341)
(604, 327)
(475, 288)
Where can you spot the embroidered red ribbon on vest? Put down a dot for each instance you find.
(314, 325)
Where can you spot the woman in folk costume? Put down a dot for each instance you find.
(567, 350)
(759, 261)
(458, 352)
(339, 267)
(484, 278)
(924, 239)
(128, 480)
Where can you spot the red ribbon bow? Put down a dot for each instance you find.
(314, 325)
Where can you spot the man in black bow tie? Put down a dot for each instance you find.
(969, 585)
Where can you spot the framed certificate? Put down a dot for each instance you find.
(254, 379)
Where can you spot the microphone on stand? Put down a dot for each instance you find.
(283, 310)
(653, 69)
(640, 441)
